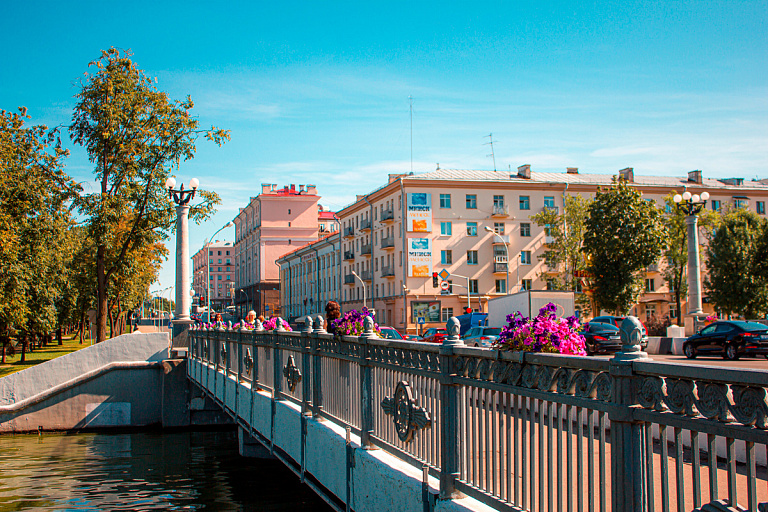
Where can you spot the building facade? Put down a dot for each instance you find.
(476, 226)
(272, 224)
(310, 276)
(214, 263)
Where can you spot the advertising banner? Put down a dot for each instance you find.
(419, 216)
(419, 257)
(430, 311)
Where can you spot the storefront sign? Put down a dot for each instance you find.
(419, 257)
(419, 217)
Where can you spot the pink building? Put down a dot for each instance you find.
(219, 256)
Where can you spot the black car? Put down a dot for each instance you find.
(616, 322)
(601, 338)
(730, 339)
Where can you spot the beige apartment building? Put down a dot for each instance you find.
(214, 263)
(476, 226)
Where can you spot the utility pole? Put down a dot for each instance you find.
(490, 136)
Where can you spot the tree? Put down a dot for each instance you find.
(563, 254)
(624, 234)
(134, 135)
(676, 252)
(736, 281)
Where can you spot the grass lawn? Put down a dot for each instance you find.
(52, 351)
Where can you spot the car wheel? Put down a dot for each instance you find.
(689, 351)
(731, 354)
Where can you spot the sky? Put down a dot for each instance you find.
(318, 92)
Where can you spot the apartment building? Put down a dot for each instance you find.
(273, 223)
(310, 276)
(214, 264)
(476, 225)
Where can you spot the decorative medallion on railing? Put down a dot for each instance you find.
(567, 381)
(292, 374)
(747, 405)
(248, 361)
(407, 416)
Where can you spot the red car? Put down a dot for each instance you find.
(434, 335)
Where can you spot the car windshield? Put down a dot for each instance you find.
(751, 326)
(492, 331)
(390, 334)
(603, 327)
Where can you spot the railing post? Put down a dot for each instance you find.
(306, 381)
(317, 369)
(366, 386)
(626, 433)
(449, 414)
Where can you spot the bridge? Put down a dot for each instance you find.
(375, 424)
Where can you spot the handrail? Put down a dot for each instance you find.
(81, 379)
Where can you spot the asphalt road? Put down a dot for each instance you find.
(753, 363)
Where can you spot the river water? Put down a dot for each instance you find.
(143, 471)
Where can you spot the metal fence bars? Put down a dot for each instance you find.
(516, 430)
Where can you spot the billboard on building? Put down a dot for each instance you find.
(430, 311)
(419, 257)
(419, 216)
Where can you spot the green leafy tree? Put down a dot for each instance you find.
(566, 264)
(736, 281)
(624, 234)
(134, 135)
(676, 252)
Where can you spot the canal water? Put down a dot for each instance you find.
(143, 471)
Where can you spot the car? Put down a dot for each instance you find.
(730, 339)
(616, 321)
(601, 338)
(390, 333)
(434, 335)
(481, 336)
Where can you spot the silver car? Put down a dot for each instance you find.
(481, 336)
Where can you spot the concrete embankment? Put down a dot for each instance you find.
(127, 381)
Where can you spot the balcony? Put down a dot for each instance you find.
(366, 275)
(349, 232)
(388, 242)
(653, 267)
(500, 210)
(500, 239)
(349, 279)
(365, 250)
(388, 215)
(500, 265)
(365, 225)
(349, 255)
(388, 271)
(549, 239)
(555, 209)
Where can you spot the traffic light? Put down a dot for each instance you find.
(467, 311)
(435, 282)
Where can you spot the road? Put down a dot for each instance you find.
(753, 363)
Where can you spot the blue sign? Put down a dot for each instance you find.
(266, 307)
(420, 320)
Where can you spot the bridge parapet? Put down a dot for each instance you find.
(515, 429)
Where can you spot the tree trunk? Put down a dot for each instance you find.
(59, 336)
(102, 300)
(23, 349)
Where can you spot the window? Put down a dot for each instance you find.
(716, 205)
(550, 285)
(210, 253)
(471, 202)
(760, 206)
(498, 228)
(579, 288)
(650, 285)
(526, 285)
(446, 229)
(525, 257)
(219, 255)
(549, 201)
(740, 202)
(525, 229)
(498, 201)
(219, 260)
(229, 278)
(229, 261)
(673, 310)
(445, 200)
(650, 311)
(446, 257)
(219, 269)
(471, 257)
(473, 286)
(525, 202)
(471, 228)
(501, 286)
(446, 314)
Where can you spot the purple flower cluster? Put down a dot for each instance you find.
(544, 333)
(351, 323)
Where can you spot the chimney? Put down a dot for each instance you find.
(695, 177)
(293, 187)
(265, 188)
(572, 170)
(524, 171)
(359, 197)
(627, 174)
(301, 188)
(312, 190)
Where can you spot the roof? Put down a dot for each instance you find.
(321, 239)
(326, 215)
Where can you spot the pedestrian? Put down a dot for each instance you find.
(250, 318)
(332, 311)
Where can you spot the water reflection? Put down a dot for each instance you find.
(143, 471)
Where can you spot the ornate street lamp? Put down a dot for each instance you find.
(691, 205)
(183, 300)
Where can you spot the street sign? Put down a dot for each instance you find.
(420, 320)
(445, 285)
(266, 307)
(444, 275)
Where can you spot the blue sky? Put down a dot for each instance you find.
(318, 92)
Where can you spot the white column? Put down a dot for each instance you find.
(694, 274)
(183, 299)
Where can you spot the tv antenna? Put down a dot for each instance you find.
(490, 136)
(410, 99)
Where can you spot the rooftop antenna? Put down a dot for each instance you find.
(410, 99)
(490, 136)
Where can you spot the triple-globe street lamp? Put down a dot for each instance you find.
(691, 205)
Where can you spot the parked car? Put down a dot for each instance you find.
(616, 322)
(412, 337)
(730, 339)
(434, 335)
(390, 333)
(601, 338)
(481, 336)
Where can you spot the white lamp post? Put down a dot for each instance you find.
(691, 205)
(362, 283)
(506, 249)
(182, 198)
(208, 268)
